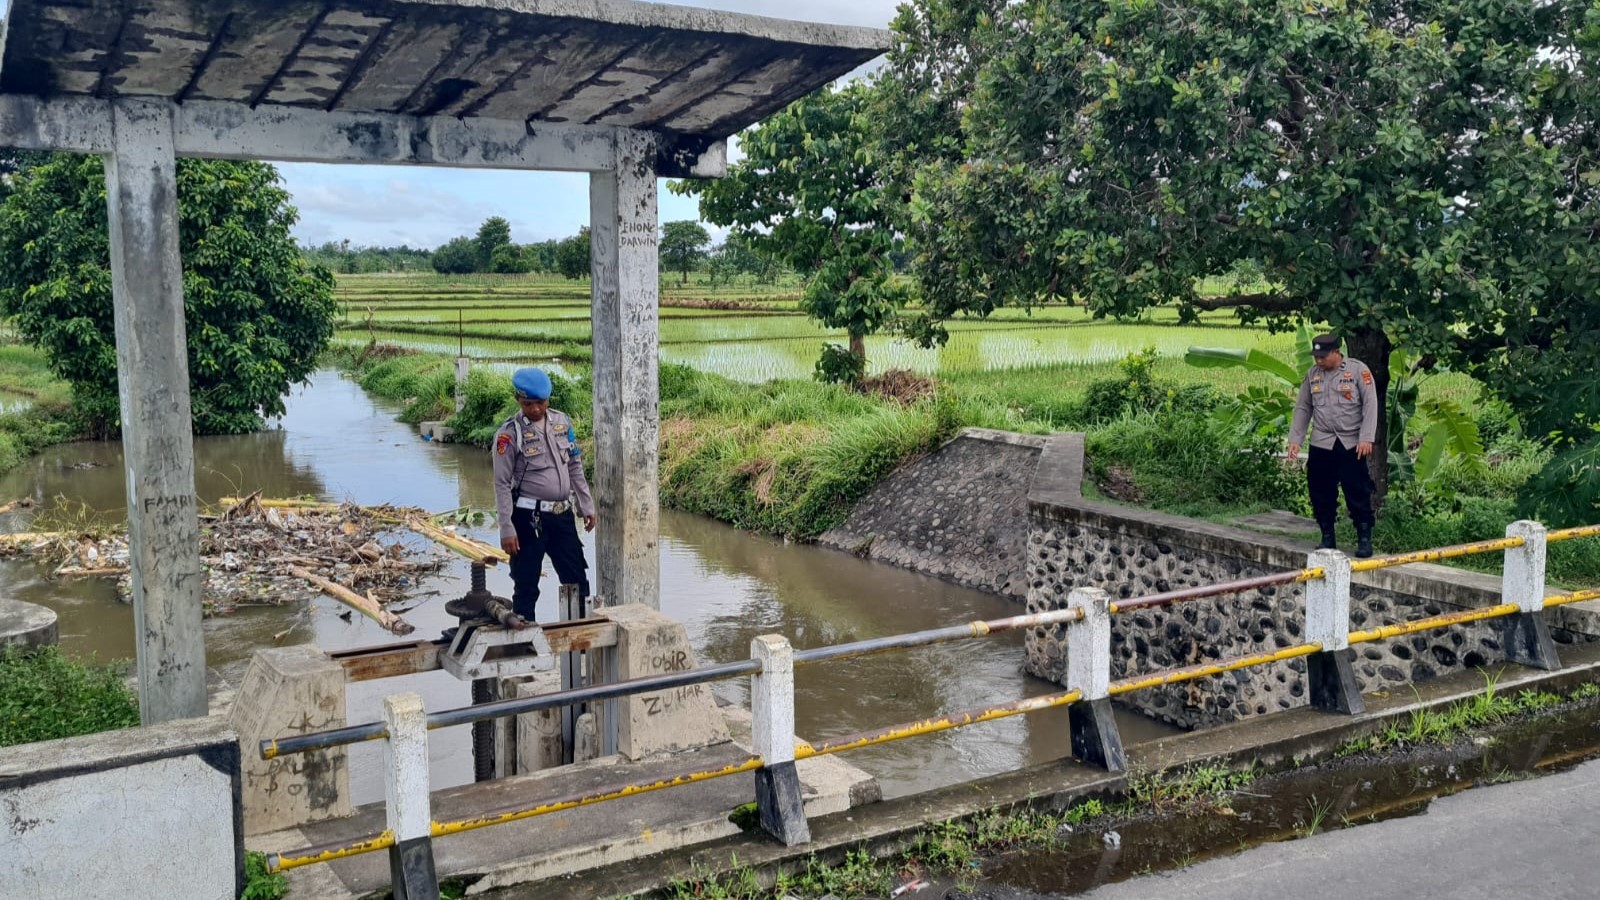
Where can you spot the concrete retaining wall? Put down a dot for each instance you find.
(1074, 542)
(960, 513)
(144, 812)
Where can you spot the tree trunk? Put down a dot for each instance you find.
(1372, 347)
(685, 279)
(858, 348)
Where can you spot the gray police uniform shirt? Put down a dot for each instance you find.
(538, 460)
(1341, 404)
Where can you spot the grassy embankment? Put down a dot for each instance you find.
(791, 457)
(35, 407)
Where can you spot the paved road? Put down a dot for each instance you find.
(1534, 840)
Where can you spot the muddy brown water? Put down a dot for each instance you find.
(726, 585)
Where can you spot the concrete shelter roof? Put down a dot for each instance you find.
(673, 69)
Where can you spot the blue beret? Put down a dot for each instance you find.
(531, 384)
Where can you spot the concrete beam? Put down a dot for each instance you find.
(75, 124)
(157, 429)
(625, 306)
(219, 130)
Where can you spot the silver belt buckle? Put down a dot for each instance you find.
(553, 506)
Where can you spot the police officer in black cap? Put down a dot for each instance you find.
(1339, 403)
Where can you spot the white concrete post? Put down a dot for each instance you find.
(772, 699)
(157, 426)
(405, 761)
(463, 369)
(1089, 644)
(624, 307)
(780, 804)
(1523, 582)
(412, 873)
(1328, 601)
(1091, 722)
(1330, 674)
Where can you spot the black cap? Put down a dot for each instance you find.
(1323, 344)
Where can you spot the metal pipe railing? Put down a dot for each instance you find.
(1184, 595)
(1332, 597)
(936, 636)
(466, 715)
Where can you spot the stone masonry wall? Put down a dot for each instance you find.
(1131, 552)
(960, 513)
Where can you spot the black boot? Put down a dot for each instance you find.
(1363, 541)
(1328, 540)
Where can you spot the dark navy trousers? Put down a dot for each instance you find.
(1329, 470)
(558, 539)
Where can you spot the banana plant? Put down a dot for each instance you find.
(1450, 432)
(1260, 408)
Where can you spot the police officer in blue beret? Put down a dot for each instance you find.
(538, 484)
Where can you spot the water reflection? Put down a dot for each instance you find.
(727, 586)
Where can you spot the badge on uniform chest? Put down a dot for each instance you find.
(530, 443)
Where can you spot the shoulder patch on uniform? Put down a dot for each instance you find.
(501, 443)
(1366, 376)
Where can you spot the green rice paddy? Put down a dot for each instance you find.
(757, 333)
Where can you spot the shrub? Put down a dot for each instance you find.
(1138, 390)
(837, 365)
(1183, 463)
(45, 696)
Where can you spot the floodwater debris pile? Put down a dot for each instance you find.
(272, 553)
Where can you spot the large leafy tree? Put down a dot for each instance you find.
(683, 244)
(257, 313)
(809, 193)
(572, 255)
(494, 233)
(1411, 171)
(459, 256)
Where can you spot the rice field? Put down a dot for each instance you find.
(755, 333)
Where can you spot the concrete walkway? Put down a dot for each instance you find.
(1530, 839)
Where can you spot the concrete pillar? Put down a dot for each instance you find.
(463, 368)
(625, 305)
(157, 427)
(1331, 674)
(778, 800)
(406, 800)
(1091, 721)
(1525, 634)
(538, 734)
(288, 691)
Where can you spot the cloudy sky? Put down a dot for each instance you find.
(425, 207)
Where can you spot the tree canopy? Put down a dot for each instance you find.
(683, 245)
(1414, 172)
(572, 255)
(809, 193)
(257, 313)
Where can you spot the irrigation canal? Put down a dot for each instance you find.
(726, 585)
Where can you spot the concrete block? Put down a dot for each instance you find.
(139, 812)
(437, 431)
(26, 625)
(670, 721)
(291, 690)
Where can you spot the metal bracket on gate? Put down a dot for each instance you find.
(493, 651)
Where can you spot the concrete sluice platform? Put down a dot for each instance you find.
(574, 840)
